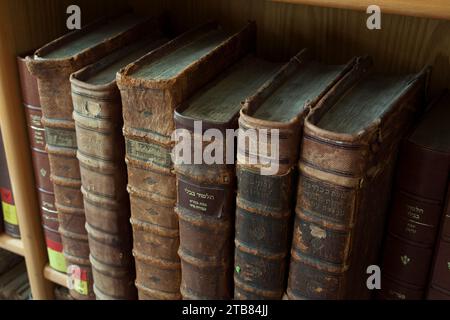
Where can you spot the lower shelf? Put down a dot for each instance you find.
(55, 276)
(11, 244)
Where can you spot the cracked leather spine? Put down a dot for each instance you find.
(342, 197)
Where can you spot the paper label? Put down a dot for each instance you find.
(9, 213)
(77, 280)
(55, 256)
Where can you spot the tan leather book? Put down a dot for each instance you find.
(206, 192)
(264, 207)
(101, 153)
(151, 89)
(348, 154)
(52, 65)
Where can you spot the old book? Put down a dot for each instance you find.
(418, 205)
(52, 65)
(151, 88)
(264, 199)
(439, 284)
(41, 166)
(349, 148)
(206, 191)
(10, 222)
(101, 154)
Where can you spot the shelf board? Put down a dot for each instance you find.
(435, 9)
(11, 244)
(55, 276)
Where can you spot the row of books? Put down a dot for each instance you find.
(109, 98)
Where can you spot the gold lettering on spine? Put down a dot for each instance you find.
(61, 138)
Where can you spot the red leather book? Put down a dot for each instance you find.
(417, 207)
(10, 223)
(41, 166)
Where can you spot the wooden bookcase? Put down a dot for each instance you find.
(414, 33)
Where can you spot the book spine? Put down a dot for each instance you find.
(413, 224)
(101, 150)
(10, 223)
(264, 213)
(41, 166)
(152, 188)
(205, 207)
(60, 136)
(344, 187)
(440, 277)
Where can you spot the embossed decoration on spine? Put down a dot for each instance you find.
(343, 192)
(148, 106)
(264, 202)
(52, 65)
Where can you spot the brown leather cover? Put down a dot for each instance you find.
(55, 96)
(416, 212)
(101, 153)
(440, 275)
(148, 107)
(44, 186)
(264, 202)
(342, 198)
(10, 226)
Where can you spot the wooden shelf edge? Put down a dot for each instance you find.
(55, 276)
(11, 244)
(434, 9)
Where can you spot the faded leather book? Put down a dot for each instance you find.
(151, 89)
(41, 166)
(348, 154)
(264, 199)
(206, 191)
(439, 284)
(101, 153)
(52, 65)
(10, 222)
(417, 207)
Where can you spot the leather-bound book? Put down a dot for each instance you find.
(417, 207)
(52, 65)
(41, 166)
(439, 284)
(265, 182)
(439, 288)
(10, 222)
(151, 88)
(205, 190)
(101, 153)
(349, 149)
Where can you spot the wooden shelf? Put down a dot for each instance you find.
(11, 244)
(55, 276)
(435, 9)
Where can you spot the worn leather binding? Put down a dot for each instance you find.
(417, 208)
(41, 166)
(149, 98)
(101, 153)
(264, 202)
(10, 222)
(344, 183)
(439, 284)
(206, 192)
(52, 65)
